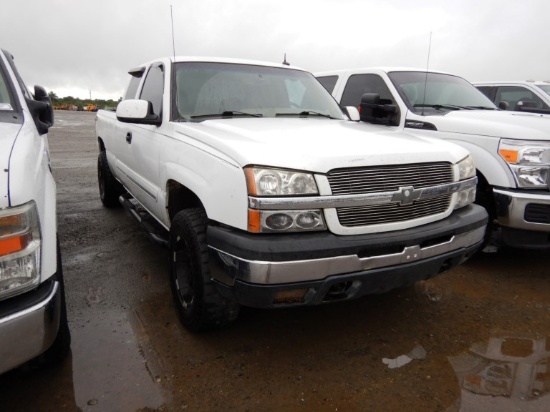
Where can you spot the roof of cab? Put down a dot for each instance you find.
(204, 59)
(382, 69)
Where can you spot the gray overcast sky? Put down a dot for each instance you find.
(74, 46)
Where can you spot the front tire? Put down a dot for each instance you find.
(110, 189)
(200, 306)
(62, 344)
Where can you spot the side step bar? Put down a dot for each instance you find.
(156, 232)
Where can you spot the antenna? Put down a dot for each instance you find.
(173, 42)
(285, 62)
(426, 79)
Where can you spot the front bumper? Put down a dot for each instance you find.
(29, 324)
(524, 217)
(254, 268)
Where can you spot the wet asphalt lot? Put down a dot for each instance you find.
(474, 339)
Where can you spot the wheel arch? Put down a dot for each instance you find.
(180, 197)
(100, 144)
(484, 194)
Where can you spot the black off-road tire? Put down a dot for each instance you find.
(110, 189)
(485, 198)
(200, 306)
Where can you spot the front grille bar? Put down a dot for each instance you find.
(404, 195)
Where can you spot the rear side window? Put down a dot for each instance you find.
(359, 84)
(488, 91)
(6, 102)
(328, 82)
(132, 88)
(153, 88)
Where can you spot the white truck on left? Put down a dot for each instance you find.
(33, 318)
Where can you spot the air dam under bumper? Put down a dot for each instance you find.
(29, 324)
(258, 270)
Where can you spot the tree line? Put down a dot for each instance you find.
(75, 103)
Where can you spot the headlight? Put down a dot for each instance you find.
(466, 168)
(529, 162)
(19, 249)
(263, 181)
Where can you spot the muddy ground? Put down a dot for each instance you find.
(474, 339)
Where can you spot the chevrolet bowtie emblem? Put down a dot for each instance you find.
(406, 195)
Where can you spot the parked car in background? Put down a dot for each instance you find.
(522, 96)
(33, 317)
(511, 150)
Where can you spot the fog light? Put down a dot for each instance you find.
(279, 221)
(308, 220)
(290, 296)
(465, 197)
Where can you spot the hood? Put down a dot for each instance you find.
(313, 144)
(8, 134)
(494, 123)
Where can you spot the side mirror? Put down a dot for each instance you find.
(352, 113)
(137, 111)
(41, 110)
(525, 105)
(378, 111)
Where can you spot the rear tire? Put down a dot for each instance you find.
(110, 189)
(200, 306)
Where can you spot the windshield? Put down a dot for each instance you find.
(443, 92)
(544, 87)
(6, 102)
(209, 90)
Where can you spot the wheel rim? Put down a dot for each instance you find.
(182, 274)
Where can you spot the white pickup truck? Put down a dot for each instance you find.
(511, 150)
(33, 318)
(269, 196)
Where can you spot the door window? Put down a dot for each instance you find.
(359, 84)
(519, 98)
(153, 88)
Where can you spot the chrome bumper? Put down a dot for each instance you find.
(511, 207)
(227, 268)
(29, 332)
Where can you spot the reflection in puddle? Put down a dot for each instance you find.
(417, 353)
(509, 373)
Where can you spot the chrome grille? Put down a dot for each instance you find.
(389, 179)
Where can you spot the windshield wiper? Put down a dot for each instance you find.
(227, 113)
(481, 108)
(307, 113)
(444, 106)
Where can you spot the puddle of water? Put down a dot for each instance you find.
(109, 370)
(508, 373)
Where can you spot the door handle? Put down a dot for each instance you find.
(129, 137)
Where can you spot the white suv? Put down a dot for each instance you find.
(524, 96)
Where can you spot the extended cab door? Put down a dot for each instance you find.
(139, 159)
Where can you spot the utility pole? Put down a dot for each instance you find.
(90, 94)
